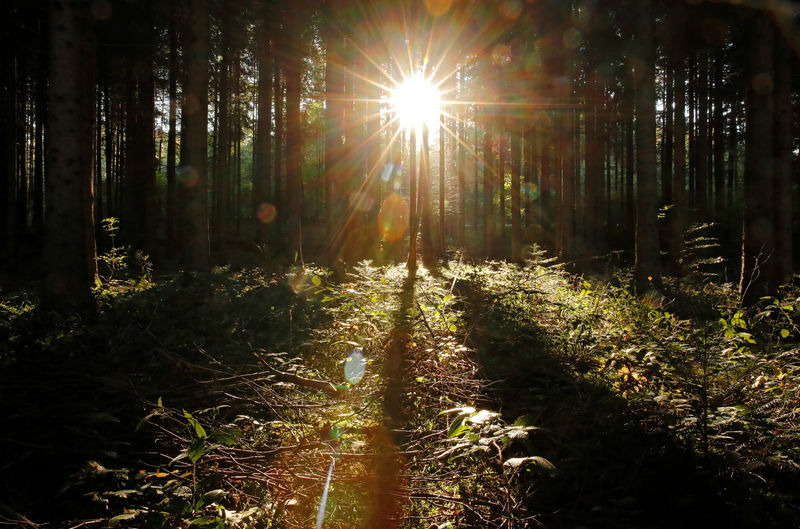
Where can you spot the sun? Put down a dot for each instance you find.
(416, 102)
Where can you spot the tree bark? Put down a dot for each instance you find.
(195, 119)
(678, 217)
(516, 172)
(173, 118)
(68, 237)
(758, 242)
(294, 139)
(647, 269)
(783, 162)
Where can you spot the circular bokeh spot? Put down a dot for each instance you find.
(355, 366)
(187, 176)
(266, 213)
(530, 191)
(438, 7)
(393, 218)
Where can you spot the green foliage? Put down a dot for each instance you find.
(122, 260)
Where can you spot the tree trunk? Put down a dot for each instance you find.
(758, 242)
(461, 164)
(294, 139)
(679, 210)
(783, 162)
(442, 145)
(412, 202)
(68, 237)
(334, 128)
(425, 205)
(263, 209)
(195, 120)
(701, 165)
(647, 270)
(516, 172)
(173, 118)
(719, 140)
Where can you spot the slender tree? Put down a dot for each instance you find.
(195, 119)
(648, 270)
(758, 243)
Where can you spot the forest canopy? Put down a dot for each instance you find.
(214, 129)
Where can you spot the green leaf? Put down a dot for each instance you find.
(116, 520)
(316, 281)
(515, 463)
(160, 403)
(784, 333)
(204, 520)
(196, 450)
(458, 427)
(198, 428)
(213, 496)
(227, 436)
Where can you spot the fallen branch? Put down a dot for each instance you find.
(283, 376)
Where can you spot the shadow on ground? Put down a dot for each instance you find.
(614, 469)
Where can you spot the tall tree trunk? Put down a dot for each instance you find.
(173, 118)
(461, 163)
(294, 139)
(111, 144)
(668, 134)
(263, 209)
(221, 226)
(68, 237)
(594, 167)
(39, 149)
(488, 185)
(701, 166)
(8, 148)
(629, 209)
(719, 140)
(279, 149)
(425, 205)
(412, 202)
(647, 270)
(140, 193)
(442, 145)
(334, 128)
(679, 209)
(195, 120)
(783, 162)
(516, 171)
(758, 242)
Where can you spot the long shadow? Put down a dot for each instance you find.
(73, 391)
(388, 496)
(613, 469)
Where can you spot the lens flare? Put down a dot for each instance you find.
(393, 218)
(355, 366)
(530, 191)
(187, 176)
(266, 213)
(438, 7)
(416, 102)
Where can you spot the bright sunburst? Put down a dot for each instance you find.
(416, 102)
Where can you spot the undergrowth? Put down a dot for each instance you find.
(478, 395)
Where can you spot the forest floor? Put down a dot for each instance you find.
(474, 395)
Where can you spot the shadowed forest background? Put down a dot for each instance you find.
(212, 209)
